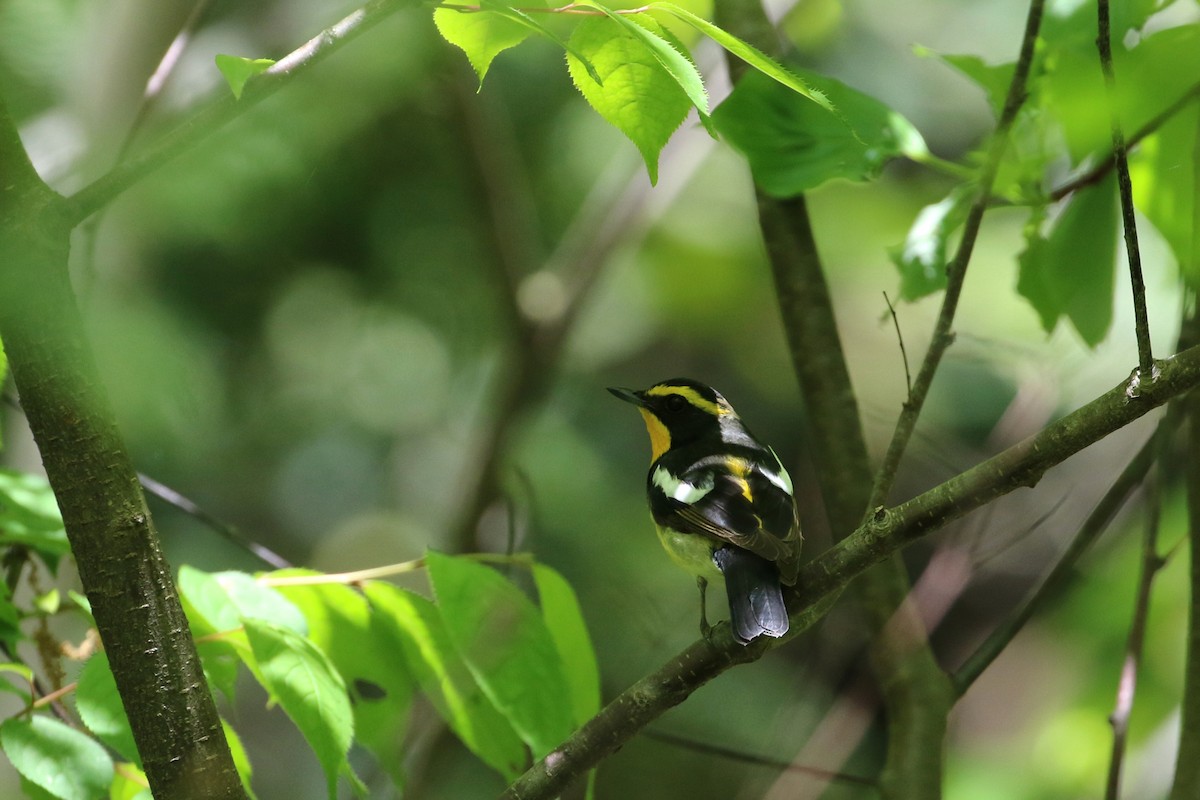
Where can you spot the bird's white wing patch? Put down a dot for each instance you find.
(678, 488)
(780, 479)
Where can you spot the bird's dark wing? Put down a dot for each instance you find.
(744, 508)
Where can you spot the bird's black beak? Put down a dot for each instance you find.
(628, 395)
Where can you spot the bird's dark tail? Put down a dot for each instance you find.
(755, 598)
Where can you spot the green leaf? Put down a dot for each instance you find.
(371, 663)
(525, 19)
(309, 689)
(923, 256)
(26, 676)
(240, 760)
(1070, 271)
(482, 35)
(238, 70)
(29, 516)
(751, 55)
(57, 758)
(129, 783)
(1165, 170)
(564, 620)
(635, 93)
(10, 618)
(504, 642)
(668, 51)
(794, 146)
(416, 627)
(100, 708)
(225, 599)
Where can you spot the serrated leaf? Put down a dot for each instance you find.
(637, 95)
(505, 644)
(924, 255)
(667, 50)
(99, 706)
(29, 516)
(481, 35)
(238, 71)
(794, 145)
(564, 620)
(309, 690)
(417, 628)
(67, 763)
(751, 55)
(525, 19)
(371, 664)
(1071, 271)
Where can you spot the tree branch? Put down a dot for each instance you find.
(1125, 188)
(224, 108)
(127, 580)
(821, 580)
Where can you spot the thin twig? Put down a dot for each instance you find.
(764, 761)
(900, 340)
(223, 109)
(187, 506)
(1125, 187)
(1127, 685)
(957, 269)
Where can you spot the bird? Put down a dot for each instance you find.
(722, 503)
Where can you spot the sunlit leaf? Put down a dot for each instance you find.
(751, 55)
(238, 71)
(371, 663)
(564, 620)
(225, 599)
(924, 255)
(29, 516)
(309, 689)
(794, 145)
(100, 708)
(481, 35)
(505, 644)
(417, 628)
(637, 94)
(1070, 271)
(240, 760)
(64, 762)
(1166, 187)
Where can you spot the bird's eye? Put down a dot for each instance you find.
(674, 403)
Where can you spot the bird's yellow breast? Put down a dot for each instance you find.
(690, 551)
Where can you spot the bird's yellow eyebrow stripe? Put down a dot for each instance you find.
(692, 396)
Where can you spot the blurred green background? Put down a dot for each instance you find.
(302, 327)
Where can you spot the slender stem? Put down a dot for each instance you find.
(224, 108)
(569, 8)
(1125, 187)
(957, 269)
(1152, 562)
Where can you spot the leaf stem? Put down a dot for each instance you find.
(1125, 188)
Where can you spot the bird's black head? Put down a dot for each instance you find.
(678, 412)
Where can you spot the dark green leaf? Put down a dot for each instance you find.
(100, 708)
(1071, 271)
(238, 70)
(416, 627)
(57, 758)
(794, 145)
(309, 689)
(505, 644)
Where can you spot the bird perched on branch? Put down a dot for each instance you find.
(722, 502)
